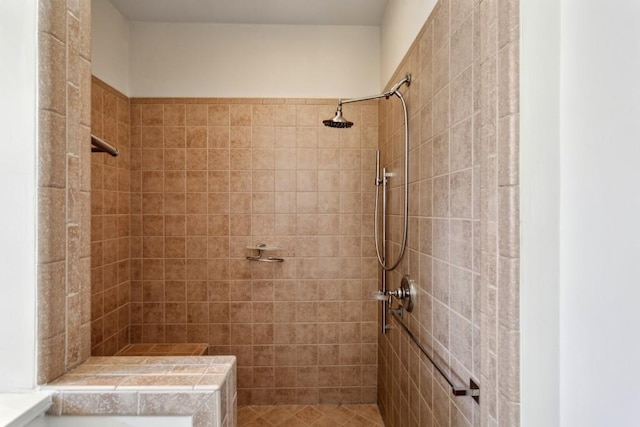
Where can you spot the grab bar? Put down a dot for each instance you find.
(101, 146)
(473, 390)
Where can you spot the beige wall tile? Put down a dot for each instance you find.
(464, 76)
(52, 149)
(508, 21)
(509, 296)
(52, 74)
(196, 115)
(51, 296)
(152, 115)
(508, 79)
(461, 96)
(508, 153)
(440, 67)
(51, 225)
(461, 148)
(51, 358)
(508, 224)
(273, 181)
(52, 18)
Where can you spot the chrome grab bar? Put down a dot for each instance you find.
(472, 390)
(101, 146)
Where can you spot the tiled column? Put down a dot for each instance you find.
(64, 186)
(463, 242)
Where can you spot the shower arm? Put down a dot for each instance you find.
(392, 91)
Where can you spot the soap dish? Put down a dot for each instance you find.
(261, 247)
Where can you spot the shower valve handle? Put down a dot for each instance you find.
(405, 293)
(400, 293)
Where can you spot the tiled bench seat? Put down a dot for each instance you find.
(203, 387)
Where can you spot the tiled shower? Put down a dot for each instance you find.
(199, 180)
(210, 177)
(463, 245)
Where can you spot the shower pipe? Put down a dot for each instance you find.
(338, 121)
(101, 146)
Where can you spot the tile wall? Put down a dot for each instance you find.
(64, 184)
(209, 177)
(110, 222)
(213, 176)
(463, 226)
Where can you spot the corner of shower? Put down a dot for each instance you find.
(405, 293)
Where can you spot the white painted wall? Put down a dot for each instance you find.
(540, 212)
(272, 61)
(600, 213)
(110, 45)
(151, 59)
(403, 20)
(18, 120)
(591, 317)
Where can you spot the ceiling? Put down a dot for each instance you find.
(284, 12)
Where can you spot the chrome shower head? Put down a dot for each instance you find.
(338, 121)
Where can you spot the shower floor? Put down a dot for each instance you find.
(312, 415)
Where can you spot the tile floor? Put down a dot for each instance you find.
(305, 416)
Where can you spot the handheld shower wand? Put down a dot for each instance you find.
(381, 178)
(378, 179)
(381, 181)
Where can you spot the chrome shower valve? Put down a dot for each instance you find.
(405, 293)
(400, 293)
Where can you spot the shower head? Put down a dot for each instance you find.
(338, 121)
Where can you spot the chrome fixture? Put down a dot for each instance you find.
(381, 180)
(473, 390)
(261, 247)
(404, 293)
(101, 146)
(338, 121)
